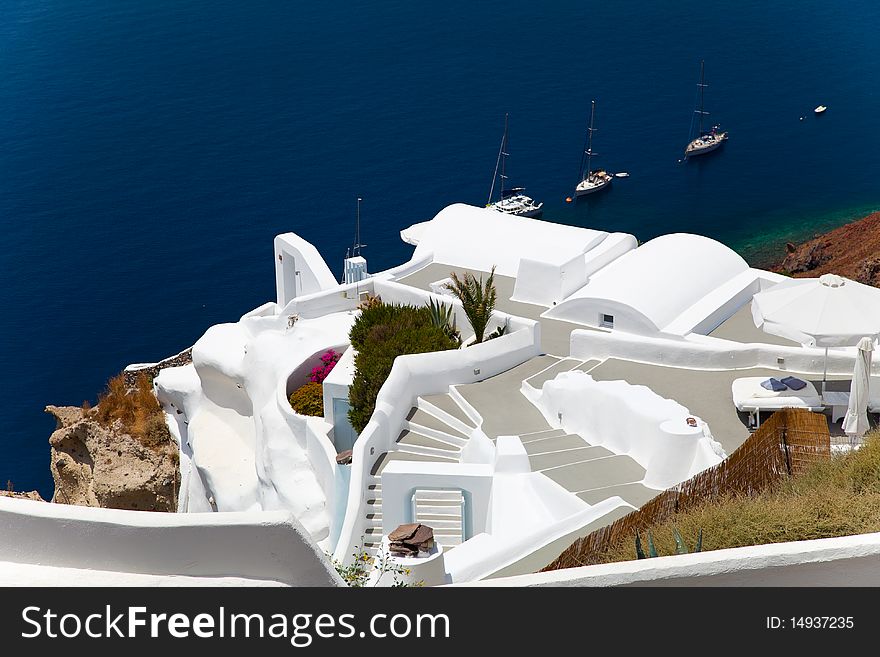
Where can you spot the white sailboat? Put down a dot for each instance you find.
(591, 181)
(513, 200)
(705, 142)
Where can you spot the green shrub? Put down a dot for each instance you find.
(308, 399)
(443, 317)
(382, 315)
(380, 334)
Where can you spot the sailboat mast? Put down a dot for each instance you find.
(499, 162)
(504, 154)
(590, 139)
(702, 86)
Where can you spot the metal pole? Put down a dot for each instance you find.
(825, 371)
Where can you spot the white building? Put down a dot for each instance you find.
(611, 383)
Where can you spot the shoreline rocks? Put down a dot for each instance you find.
(850, 251)
(29, 495)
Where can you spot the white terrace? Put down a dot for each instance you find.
(613, 381)
(511, 448)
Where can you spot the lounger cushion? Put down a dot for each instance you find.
(749, 395)
(794, 383)
(773, 384)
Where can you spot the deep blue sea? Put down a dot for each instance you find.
(151, 149)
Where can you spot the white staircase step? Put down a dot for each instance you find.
(448, 406)
(386, 457)
(448, 419)
(451, 495)
(540, 435)
(466, 406)
(436, 509)
(409, 439)
(436, 434)
(564, 365)
(437, 525)
(422, 418)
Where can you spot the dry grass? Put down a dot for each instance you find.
(136, 409)
(837, 497)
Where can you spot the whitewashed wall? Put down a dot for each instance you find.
(846, 561)
(299, 268)
(422, 374)
(628, 419)
(269, 546)
(703, 352)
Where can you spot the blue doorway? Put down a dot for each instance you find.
(344, 434)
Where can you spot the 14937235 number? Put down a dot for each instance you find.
(822, 622)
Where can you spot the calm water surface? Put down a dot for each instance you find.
(150, 151)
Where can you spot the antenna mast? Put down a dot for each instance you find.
(356, 247)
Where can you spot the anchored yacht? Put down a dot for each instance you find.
(705, 142)
(513, 200)
(591, 181)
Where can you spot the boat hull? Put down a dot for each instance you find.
(520, 210)
(704, 148)
(584, 190)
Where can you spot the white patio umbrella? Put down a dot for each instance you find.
(855, 422)
(829, 311)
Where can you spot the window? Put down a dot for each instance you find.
(606, 321)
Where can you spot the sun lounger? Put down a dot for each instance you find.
(750, 397)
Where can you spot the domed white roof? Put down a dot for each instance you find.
(652, 285)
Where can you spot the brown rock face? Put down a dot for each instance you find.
(105, 467)
(807, 258)
(852, 251)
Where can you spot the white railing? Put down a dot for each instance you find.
(707, 353)
(334, 300)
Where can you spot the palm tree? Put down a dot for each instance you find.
(477, 299)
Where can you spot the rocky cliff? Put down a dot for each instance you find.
(29, 495)
(852, 251)
(104, 466)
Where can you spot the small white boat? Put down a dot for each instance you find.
(622, 174)
(820, 109)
